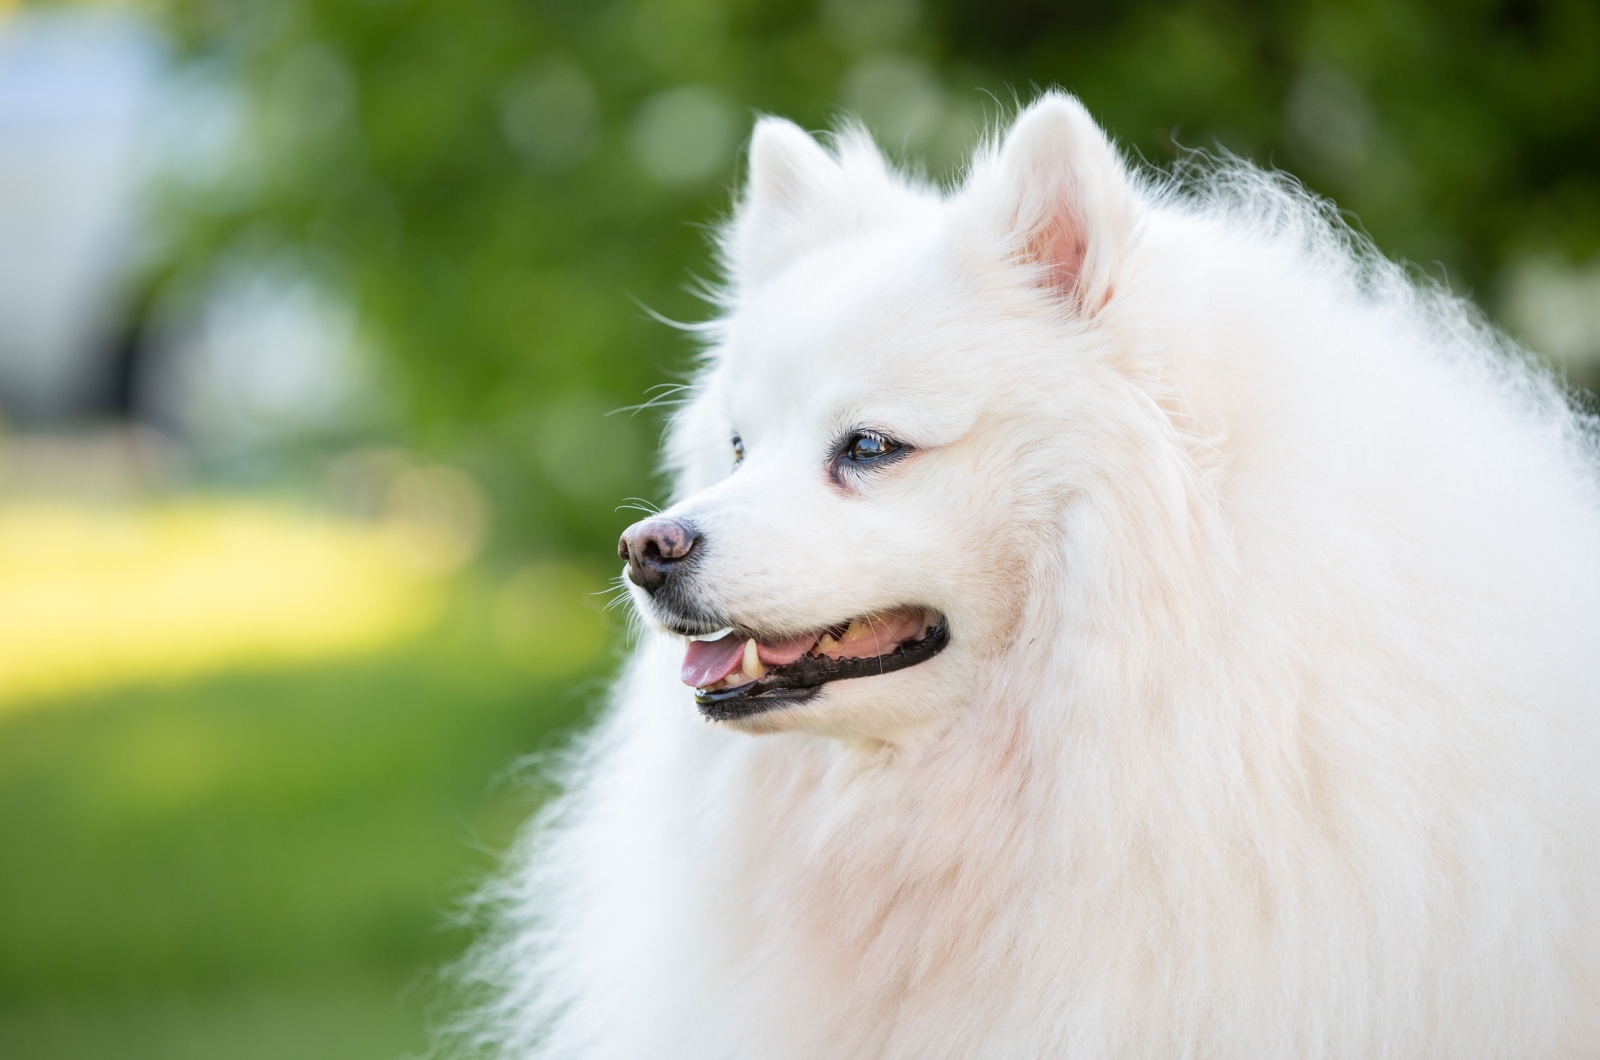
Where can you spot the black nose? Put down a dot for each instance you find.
(655, 548)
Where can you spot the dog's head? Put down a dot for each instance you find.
(898, 404)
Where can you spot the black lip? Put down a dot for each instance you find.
(786, 686)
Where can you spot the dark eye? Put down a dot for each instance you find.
(864, 447)
(738, 450)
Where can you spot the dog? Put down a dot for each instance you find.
(1103, 613)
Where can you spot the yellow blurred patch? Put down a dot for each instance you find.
(92, 598)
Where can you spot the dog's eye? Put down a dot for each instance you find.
(866, 446)
(738, 450)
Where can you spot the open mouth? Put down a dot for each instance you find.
(739, 674)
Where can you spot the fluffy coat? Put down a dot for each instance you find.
(1270, 718)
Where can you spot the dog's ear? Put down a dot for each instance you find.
(1059, 198)
(799, 196)
(791, 179)
(787, 168)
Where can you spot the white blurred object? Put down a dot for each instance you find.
(270, 355)
(75, 88)
(1554, 307)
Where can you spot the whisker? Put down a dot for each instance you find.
(872, 624)
(637, 627)
(618, 592)
(669, 395)
(676, 325)
(710, 292)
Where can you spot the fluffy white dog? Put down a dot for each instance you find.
(1159, 628)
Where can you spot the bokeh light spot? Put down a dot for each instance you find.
(551, 116)
(685, 134)
(899, 97)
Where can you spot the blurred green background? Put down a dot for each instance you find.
(315, 319)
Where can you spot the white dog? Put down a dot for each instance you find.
(1159, 628)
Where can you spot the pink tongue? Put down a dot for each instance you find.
(709, 661)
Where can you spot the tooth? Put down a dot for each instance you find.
(857, 628)
(826, 643)
(752, 661)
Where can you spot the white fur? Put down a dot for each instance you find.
(1270, 723)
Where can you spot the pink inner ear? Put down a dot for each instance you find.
(1060, 245)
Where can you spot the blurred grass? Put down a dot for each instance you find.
(264, 863)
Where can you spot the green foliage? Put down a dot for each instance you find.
(1457, 133)
(496, 182)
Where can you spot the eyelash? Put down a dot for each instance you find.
(892, 452)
